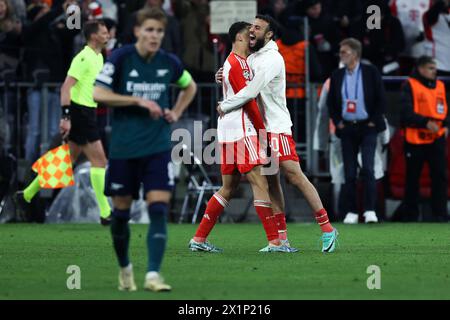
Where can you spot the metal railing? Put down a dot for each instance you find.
(203, 107)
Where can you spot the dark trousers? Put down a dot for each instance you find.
(416, 155)
(355, 137)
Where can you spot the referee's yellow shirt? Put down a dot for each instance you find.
(85, 67)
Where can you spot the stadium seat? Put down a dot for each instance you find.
(199, 185)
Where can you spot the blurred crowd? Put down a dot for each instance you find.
(36, 46)
(33, 34)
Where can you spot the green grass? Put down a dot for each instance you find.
(414, 261)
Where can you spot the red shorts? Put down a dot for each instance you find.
(283, 146)
(242, 156)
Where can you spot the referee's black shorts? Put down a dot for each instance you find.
(84, 128)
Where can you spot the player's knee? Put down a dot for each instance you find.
(294, 177)
(261, 186)
(122, 203)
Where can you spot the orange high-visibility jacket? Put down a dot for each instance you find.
(294, 59)
(429, 103)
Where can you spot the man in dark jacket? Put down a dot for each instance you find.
(172, 38)
(425, 118)
(356, 104)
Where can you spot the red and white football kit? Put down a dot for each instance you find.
(238, 130)
(268, 86)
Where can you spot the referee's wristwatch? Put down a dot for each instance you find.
(65, 112)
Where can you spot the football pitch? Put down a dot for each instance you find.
(413, 262)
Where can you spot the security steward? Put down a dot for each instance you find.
(424, 116)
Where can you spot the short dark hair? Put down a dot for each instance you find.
(109, 23)
(150, 13)
(423, 60)
(236, 28)
(354, 44)
(90, 27)
(273, 25)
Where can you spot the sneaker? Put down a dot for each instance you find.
(154, 282)
(203, 246)
(126, 279)
(105, 221)
(287, 244)
(370, 217)
(22, 206)
(351, 218)
(329, 240)
(272, 248)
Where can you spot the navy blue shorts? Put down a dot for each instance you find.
(125, 176)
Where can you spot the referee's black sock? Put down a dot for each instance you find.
(120, 232)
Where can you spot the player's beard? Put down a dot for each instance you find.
(258, 45)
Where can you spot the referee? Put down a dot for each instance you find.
(78, 122)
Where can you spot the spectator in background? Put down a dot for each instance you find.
(10, 32)
(126, 8)
(410, 13)
(43, 52)
(424, 114)
(90, 10)
(10, 42)
(292, 47)
(109, 9)
(172, 39)
(356, 104)
(198, 53)
(274, 8)
(347, 14)
(111, 25)
(19, 9)
(382, 46)
(324, 139)
(437, 31)
(323, 35)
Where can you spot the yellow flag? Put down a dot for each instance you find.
(54, 168)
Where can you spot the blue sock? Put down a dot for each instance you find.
(157, 235)
(120, 232)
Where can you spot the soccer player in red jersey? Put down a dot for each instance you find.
(241, 151)
(269, 85)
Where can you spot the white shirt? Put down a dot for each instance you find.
(268, 86)
(410, 13)
(439, 41)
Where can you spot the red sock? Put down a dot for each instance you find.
(213, 210)
(323, 221)
(280, 220)
(264, 211)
